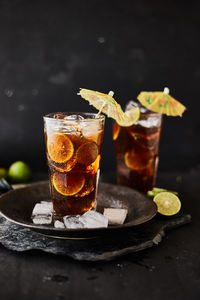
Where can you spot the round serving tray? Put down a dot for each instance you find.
(17, 206)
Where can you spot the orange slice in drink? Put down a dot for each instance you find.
(88, 187)
(137, 161)
(93, 168)
(116, 130)
(68, 184)
(66, 167)
(87, 153)
(60, 147)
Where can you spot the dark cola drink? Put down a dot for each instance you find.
(73, 149)
(137, 150)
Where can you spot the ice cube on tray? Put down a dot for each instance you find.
(93, 219)
(43, 208)
(73, 222)
(42, 219)
(90, 219)
(59, 224)
(116, 216)
(42, 213)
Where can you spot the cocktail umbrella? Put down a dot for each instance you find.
(106, 104)
(161, 102)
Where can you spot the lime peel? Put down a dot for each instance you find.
(155, 191)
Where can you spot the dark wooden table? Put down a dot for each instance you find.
(168, 271)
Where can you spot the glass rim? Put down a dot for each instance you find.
(151, 112)
(91, 117)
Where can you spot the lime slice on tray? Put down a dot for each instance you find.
(168, 204)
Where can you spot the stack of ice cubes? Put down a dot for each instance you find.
(43, 215)
(90, 219)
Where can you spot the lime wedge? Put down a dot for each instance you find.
(150, 194)
(155, 191)
(128, 118)
(159, 190)
(167, 203)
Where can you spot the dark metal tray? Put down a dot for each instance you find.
(17, 205)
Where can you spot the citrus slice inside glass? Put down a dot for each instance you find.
(93, 168)
(68, 184)
(60, 147)
(167, 203)
(129, 118)
(88, 187)
(136, 161)
(66, 167)
(116, 130)
(87, 153)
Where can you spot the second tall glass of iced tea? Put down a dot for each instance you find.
(73, 149)
(137, 149)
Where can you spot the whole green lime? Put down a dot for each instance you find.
(19, 172)
(3, 173)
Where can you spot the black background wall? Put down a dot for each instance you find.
(48, 49)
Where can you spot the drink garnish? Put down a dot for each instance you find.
(93, 168)
(106, 104)
(116, 130)
(68, 184)
(135, 161)
(168, 204)
(155, 191)
(87, 153)
(161, 102)
(60, 147)
(65, 167)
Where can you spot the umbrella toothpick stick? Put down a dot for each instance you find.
(166, 90)
(161, 102)
(111, 93)
(99, 112)
(105, 103)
